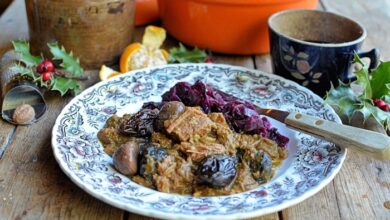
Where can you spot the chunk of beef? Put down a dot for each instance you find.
(162, 140)
(258, 142)
(111, 139)
(198, 151)
(218, 118)
(174, 175)
(193, 122)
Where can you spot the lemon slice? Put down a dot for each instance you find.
(106, 73)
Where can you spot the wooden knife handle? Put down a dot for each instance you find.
(368, 142)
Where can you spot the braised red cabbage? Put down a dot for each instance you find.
(241, 115)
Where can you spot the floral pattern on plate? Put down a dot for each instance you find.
(312, 163)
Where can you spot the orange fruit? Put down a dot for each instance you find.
(147, 54)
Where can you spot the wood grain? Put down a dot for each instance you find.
(363, 187)
(34, 187)
(263, 63)
(322, 205)
(6, 21)
(6, 135)
(363, 184)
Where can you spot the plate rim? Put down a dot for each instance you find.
(165, 215)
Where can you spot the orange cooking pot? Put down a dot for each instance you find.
(226, 26)
(146, 11)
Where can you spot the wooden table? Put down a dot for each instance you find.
(32, 186)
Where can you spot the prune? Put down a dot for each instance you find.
(140, 124)
(152, 105)
(148, 158)
(217, 171)
(260, 165)
(168, 111)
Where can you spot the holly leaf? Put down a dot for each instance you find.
(182, 55)
(343, 99)
(381, 116)
(69, 62)
(350, 104)
(63, 85)
(22, 48)
(363, 78)
(386, 98)
(380, 81)
(24, 71)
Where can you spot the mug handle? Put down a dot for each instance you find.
(373, 55)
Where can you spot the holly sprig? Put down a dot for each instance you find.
(360, 97)
(69, 62)
(63, 79)
(181, 54)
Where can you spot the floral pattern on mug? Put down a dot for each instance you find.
(300, 66)
(307, 78)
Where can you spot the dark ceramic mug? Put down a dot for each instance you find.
(316, 48)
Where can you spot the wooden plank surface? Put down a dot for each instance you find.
(363, 185)
(32, 186)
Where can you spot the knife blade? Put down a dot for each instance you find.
(368, 142)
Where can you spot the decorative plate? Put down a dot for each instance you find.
(312, 163)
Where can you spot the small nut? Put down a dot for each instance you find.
(125, 158)
(23, 114)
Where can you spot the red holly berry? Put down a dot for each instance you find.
(45, 66)
(379, 103)
(46, 76)
(208, 60)
(385, 107)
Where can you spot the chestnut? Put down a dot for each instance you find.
(125, 158)
(168, 111)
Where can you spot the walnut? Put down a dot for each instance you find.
(23, 114)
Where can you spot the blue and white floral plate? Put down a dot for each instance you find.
(311, 164)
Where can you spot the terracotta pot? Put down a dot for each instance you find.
(146, 11)
(226, 26)
(96, 31)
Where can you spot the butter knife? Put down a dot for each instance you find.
(368, 142)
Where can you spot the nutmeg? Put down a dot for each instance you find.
(23, 114)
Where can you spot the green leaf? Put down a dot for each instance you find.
(344, 98)
(182, 55)
(363, 78)
(24, 71)
(22, 48)
(386, 98)
(369, 110)
(69, 62)
(380, 80)
(63, 85)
